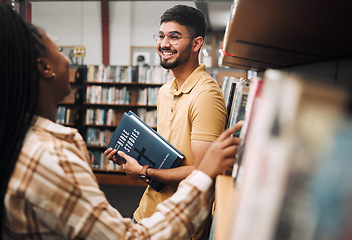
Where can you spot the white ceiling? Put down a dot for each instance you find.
(219, 13)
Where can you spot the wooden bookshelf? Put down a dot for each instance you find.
(76, 104)
(284, 35)
(276, 34)
(225, 197)
(134, 89)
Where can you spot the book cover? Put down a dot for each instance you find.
(239, 103)
(252, 106)
(138, 140)
(230, 97)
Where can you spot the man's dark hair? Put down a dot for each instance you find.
(190, 17)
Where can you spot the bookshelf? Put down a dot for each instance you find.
(277, 34)
(69, 110)
(306, 41)
(99, 97)
(109, 92)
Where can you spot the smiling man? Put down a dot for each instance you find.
(191, 108)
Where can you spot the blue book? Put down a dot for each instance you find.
(138, 140)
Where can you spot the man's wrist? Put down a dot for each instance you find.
(143, 174)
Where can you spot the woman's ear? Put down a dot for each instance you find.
(44, 68)
(198, 42)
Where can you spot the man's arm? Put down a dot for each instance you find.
(175, 175)
(168, 176)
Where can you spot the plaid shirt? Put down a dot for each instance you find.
(53, 194)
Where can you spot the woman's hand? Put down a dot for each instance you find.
(222, 152)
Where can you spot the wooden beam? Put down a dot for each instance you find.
(105, 26)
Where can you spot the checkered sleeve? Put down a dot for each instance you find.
(54, 194)
(182, 214)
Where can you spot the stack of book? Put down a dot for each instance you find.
(121, 95)
(106, 73)
(101, 116)
(107, 95)
(128, 74)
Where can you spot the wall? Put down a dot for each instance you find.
(132, 23)
(72, 23)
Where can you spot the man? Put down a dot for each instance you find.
(191, 108)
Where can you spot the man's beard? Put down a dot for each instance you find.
(184, 57)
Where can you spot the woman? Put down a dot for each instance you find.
(48, 189)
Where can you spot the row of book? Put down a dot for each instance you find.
(235, 91)
(102, 116)
(98, 161)
(121, 95)
(65, 115)
(111, 117)
(128, 74)
(107, 95)
(97, 136)
(148, 96)
(295, 156)
(149, 116)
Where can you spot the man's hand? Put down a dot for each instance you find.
(222, 152)
(132, 168)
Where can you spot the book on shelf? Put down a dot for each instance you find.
(252, 106)
(128, 74)
(235, 92)
(228, 90)
(149, 116)
(288, 140)
(122, 95)
(107, 95)
(153, 96)
(107, 73)
(97, 137)
(138, 140)
(98, 116)
(99, 161)
(237, 110)
(65, 115)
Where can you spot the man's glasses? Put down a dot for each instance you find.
(173, 38)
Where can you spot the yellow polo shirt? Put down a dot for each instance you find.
(196, 111)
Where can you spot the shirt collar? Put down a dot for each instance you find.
(190, 82)
(53, 128)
